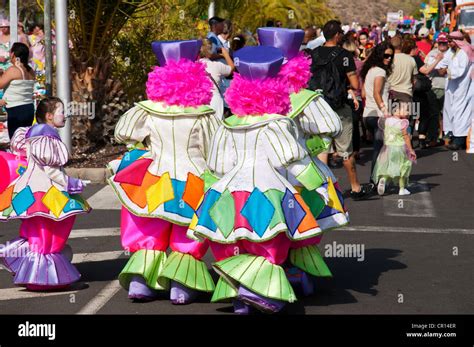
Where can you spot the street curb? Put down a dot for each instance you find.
(95, 175)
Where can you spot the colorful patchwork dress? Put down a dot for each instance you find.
(47, 201)
(160, 188)
(252, 210)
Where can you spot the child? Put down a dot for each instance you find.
(252, 214)
(46, 200)
(396, 156)
(160, 187)
(315, 121)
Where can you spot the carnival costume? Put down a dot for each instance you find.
(47, 201)
(161, 185)
(251, 214)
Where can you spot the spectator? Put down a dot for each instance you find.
(424, 44)
(459, 96)
(436, 63)
(377, 68)
(331, 67)
(350, 44)
(4, 44)
(217, 71)
(317, 42)
(309, 35)
(226, 34)
(374, 35)
(216, 26)
(363, 42)
(403, 71)
(37, 46)
(238, 42)
(18, 81)
(22, 37)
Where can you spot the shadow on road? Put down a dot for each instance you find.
(350, 274)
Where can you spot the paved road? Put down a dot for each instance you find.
(418, 253)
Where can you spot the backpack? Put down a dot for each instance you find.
(326, 76)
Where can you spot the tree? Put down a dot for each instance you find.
(94, 25)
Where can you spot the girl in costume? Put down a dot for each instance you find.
(252, 214)
(396, 156)
(47, 202)
(317, 124)
(160, 187)
(12, 165)
(315, 121)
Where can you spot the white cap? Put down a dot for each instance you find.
(424, 32)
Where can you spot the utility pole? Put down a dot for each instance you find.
(212, 9)
(62, 67)
(13, 22)
(48, 48)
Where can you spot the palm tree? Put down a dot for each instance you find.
(93, 26)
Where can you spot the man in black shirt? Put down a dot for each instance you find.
(333, 68)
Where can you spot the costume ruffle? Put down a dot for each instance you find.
(257, 274)
(49, 270)
(188, 271)
(148, 264)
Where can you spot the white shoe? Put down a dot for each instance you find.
(381, 186)
(404, 191)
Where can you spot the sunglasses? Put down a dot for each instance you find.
(388, 56)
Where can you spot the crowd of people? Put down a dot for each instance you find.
(22, 74)
(229, 153)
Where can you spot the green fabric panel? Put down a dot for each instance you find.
(224, 291)
(314, 201)
(236, 121)
(276, 196)
(223, 213)
(310, 177)
(209, 179)
(310, 260)
(258, 275)
(7, 211)
(188, 271)
(300, 100)
(316, 145)
(148, 264)
(162, 109)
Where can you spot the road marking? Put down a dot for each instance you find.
(21, 293)
(98, 256)
(101, 299)
(105, 199)
(91, 257)
(97, 232)
(418, 204)
(389, 229)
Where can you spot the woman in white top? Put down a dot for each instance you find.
(18, 81)
(375, 72)
(217, 70)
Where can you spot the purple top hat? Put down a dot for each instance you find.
(288, 40)
(256, 63)
(175, 50)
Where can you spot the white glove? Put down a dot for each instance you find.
(324, 194)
